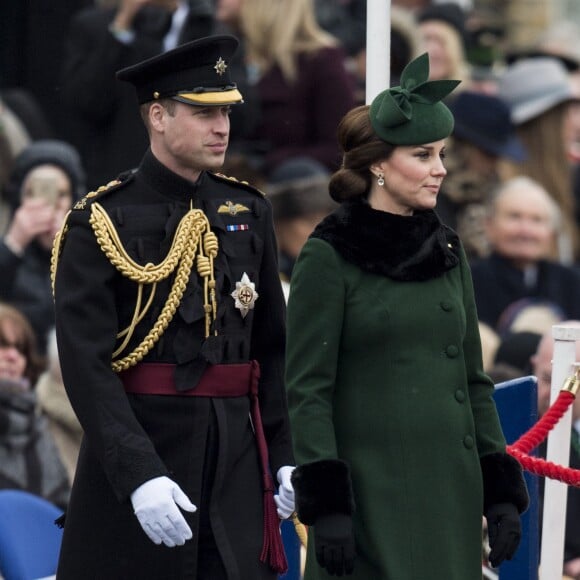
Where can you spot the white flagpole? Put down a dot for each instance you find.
(378, 47)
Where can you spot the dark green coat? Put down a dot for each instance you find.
(387, 375)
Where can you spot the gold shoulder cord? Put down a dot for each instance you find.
(192, 228)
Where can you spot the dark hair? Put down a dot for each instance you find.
(26, 342)
(361, 147)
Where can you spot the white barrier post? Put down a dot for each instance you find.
(378, 47)
(558, 451)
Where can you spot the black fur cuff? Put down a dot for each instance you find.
(322, 488)
(503, 482)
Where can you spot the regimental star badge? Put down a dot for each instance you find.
(220, 66)
(245, 295)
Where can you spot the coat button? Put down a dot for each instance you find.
(451, 351)
(446, 305)
(468, 442)
(459, 396)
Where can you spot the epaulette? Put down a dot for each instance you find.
(103, 190)
(244, 184)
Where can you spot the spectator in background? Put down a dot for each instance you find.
(539, 92)
(299, 76)
(103, 121)
(29, 459)
(483, 134)
(521, 224)
(299, 196)
(21, 122)
(55, 407)
(46, 179)
(442, 31)
(542, 368)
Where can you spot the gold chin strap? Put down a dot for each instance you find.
(185, 246)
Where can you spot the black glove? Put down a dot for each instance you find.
(334, 543)
(504, 530)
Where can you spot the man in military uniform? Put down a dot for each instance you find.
(170, 325)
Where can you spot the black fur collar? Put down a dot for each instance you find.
(406, 248)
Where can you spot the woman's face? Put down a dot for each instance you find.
(413, 177)
(12, 360)
(435, 36)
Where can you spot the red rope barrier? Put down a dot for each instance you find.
(530, 440)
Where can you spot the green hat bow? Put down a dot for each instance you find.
(413, 113)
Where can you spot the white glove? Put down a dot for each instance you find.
(285, 497)
(155, 504)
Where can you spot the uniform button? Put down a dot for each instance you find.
(459, 396)
(468, 441)
(446, 305)
(452, 351)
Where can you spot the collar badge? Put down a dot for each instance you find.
(245, 295)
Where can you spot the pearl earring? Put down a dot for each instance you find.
(381, 180)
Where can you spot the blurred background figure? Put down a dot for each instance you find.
(47, 177)
(102, 120)
(443, 34)
(300, 200)
(483, 135)
(297, 72)
(521, 224)
(29, 459)
(54, 405)
(542, 368)
(539, 93)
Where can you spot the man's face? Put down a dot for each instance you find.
(522, 227)
(191, 139)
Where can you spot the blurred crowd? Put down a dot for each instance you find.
(67, 126)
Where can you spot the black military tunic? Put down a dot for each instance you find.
(205, 444)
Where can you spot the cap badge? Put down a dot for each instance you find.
(232, 208)
(245, 295)
(220, 66)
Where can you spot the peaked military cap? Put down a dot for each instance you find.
(195, 73)
(412, 113)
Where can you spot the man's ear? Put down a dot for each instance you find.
(156, 116)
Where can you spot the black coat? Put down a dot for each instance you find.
(103, 121)
(205, 444)
(498, 284)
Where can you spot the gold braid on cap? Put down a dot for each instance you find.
(193, 227)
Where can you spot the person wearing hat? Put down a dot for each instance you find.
(170, 330)
(396, 435)
(47, 177)
(483, 135)
(539, 93)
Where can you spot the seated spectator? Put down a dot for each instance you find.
(299, 76)
(482, 135)
(46, 178)
(539, 92)
(521, 224)
(442, 30)
(54, 405)
(542, 369)
(29, 459)
(300, 200)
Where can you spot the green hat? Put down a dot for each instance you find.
(412, 113)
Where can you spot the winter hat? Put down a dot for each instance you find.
(533, 86)
(484, 120)
(41, 152)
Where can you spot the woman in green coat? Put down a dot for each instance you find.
(399, 446)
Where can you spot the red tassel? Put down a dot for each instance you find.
(273, 547)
